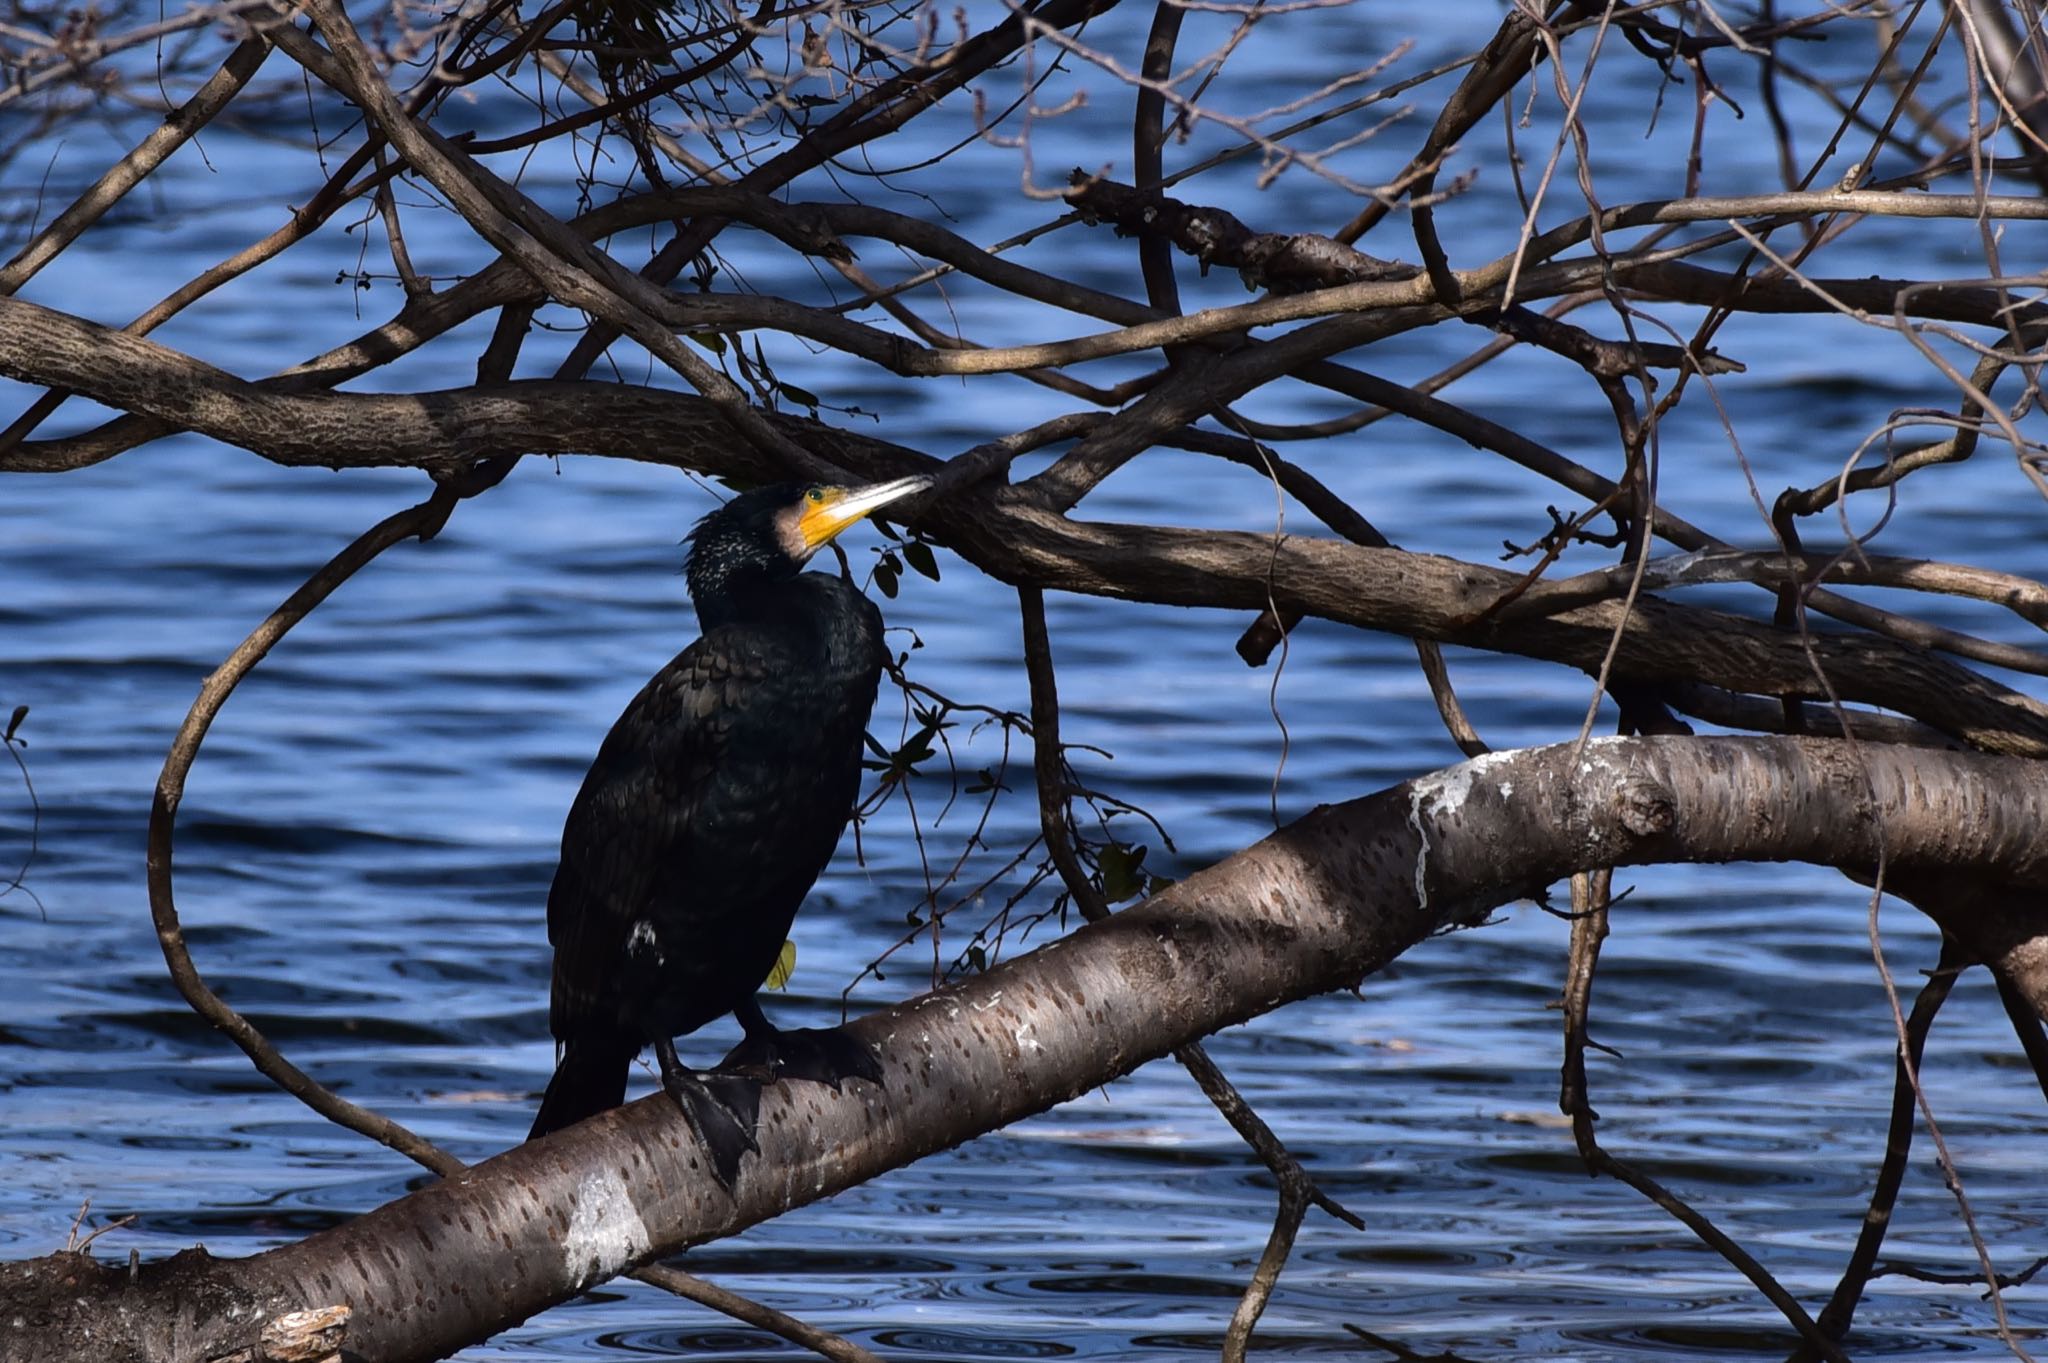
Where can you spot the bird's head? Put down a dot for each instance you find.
(771, 532)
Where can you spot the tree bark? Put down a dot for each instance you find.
(1004, 532)
(1317, 906)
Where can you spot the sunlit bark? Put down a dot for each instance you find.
(1318, 906)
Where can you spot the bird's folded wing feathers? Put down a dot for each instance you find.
(630, 824)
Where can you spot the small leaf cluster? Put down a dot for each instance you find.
(914, 552)
(899, 763)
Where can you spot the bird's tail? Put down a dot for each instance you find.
(589, 1079)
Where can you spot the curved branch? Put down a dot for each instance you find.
(1423, 596)
(414, 522)
(816, 229)
(1836, 1316)
(421, 521)
(1008, 534)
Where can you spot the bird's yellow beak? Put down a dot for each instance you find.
(829, 510)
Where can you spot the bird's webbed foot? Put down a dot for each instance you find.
(823, 1055)
(723, 1110)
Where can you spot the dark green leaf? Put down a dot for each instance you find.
(918, 555)
(710, 340)
(14, 722)
(1119, 867)
(798, 395)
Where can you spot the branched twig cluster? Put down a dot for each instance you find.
(692, 127)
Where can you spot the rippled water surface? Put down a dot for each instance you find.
(365, 849)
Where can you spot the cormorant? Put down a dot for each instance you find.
(713, 804)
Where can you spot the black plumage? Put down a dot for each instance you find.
(714, 803)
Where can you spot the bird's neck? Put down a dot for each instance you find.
(724, 598)
(839, 629)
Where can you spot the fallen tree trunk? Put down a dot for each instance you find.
(1320, 904)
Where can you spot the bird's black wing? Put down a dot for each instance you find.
(630, 833)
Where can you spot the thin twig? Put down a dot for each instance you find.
(1589, 928)
(1837, 1315)
(1298, 1190)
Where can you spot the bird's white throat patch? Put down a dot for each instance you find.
(789, 533)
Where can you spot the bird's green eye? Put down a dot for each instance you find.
(816, 496)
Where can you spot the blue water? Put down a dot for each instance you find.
(368, 835)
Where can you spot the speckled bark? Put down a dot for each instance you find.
(1315, 907)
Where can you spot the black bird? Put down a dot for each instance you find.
(713, 804)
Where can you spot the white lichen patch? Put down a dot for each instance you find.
(1598, 767)
(1589, 767)
(1443, 794)
(605, 1233)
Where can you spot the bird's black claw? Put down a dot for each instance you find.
(823, 1055)
(723, 1111)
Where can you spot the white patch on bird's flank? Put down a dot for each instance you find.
(641, 941)
(1444, 793)
(605, 1232)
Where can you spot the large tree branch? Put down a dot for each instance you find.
(1315, 907)
(1008, 534)
(816, 229)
